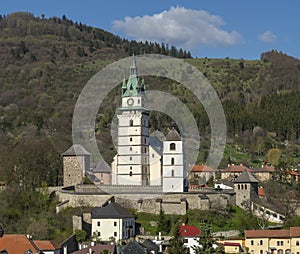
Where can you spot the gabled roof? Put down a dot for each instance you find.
(150, 245)
(76, 150)
(98, 248)
(135, 248)
(281, 233)
(45, 245)
(173, 135)
(17, 244)
(189, 231)
(236, 169)
(246, 177)
(111, 211)
(201, 168)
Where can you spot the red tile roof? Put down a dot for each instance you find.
(266, 168)
(46, 245)
(17, 244)
(201, 168)
(189, 231)
(282, 233)
(261, 192)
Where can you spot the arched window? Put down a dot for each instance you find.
(245, 186)
(173, 146)
(172, 161)
(130, 122)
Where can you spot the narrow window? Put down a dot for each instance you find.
(239, 187)
(99, 233)
(172, 146)
(130, 139)
(115, 233)
(172, 161)
(115, 223)
(261, 242)
(297, 243)
(172, 173)
(130, 122)
(153, 155)
(130, 173)
(130, 148)
(130, 158)
(252, 242)
(98, 223)
(245, 186)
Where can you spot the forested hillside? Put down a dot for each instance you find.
(45, 63)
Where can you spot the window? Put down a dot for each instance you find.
(130, 148)
(115, 234)
(172, 161)
(261, 242)
(252, 242)
(130, 122)
(153, 155)
(245, 186)
(145, 140)
(130, 139)
(115, 223)
(239, 187)
(130, 173)
(185, 240)
(99, 233)
(130, 158)
(98, 223)
(172, 146)
(261, 252)
(172, 173)
(130, 167)
(297, 243)
(145, 149)
(139, 101)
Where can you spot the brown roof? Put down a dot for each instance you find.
(45, 245)
(201, 168)
(98, 248)
(266, 168)
(236, 169)
(173, 135)
(17, 244)
(282, 233)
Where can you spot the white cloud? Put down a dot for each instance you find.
(179, 26)
(267, 37)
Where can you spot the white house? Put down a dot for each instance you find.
(112, 222)
(190, 235)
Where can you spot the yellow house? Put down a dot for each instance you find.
(232, 246)
(284, 241)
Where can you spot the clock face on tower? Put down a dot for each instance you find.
(130, 101)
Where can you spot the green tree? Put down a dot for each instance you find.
(164, 224)
(206, 241)
(176, 243)
(80, 235)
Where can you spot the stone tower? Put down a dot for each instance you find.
(173, 170)
(131, 164)
(76, 161)
(245, 187)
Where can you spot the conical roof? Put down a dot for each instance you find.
(246, 177)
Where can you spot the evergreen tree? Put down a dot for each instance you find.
(206, 241)
(164, 225)
(176, 243)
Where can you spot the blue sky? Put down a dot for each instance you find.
(208, 28)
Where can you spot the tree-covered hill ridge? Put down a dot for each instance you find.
(45, 63)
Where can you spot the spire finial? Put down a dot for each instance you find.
(133, 70)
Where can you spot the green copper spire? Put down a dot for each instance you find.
(133, 86)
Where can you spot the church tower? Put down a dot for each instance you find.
(131, 164)
(173, 174)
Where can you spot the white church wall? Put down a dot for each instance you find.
(155, 167)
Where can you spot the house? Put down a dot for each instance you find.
(283, 241)
(102, 172)
(112, 222)
(134, 247)
(264, 173)
(232, 247)
(190, 235)
(98, 248)
(200, 173)
(233, 171)
(19, 244)
(151, 246)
